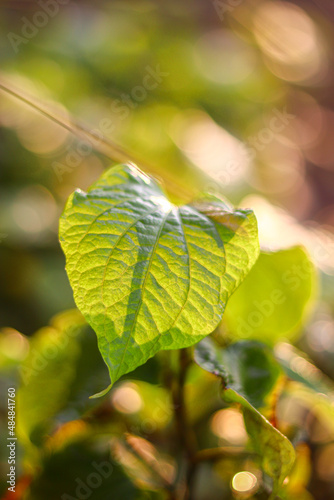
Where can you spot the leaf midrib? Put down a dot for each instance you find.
(107, 263)
(143, 287)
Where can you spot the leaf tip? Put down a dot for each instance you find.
(102, 393)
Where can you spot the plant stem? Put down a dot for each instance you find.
(184, 431)
(185, 434)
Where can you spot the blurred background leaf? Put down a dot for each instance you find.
(276, 298)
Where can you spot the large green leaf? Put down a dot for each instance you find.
(249, 372)
(146, 274)
(275, 299)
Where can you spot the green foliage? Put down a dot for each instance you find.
(248, 373)
(309, 385)
(274, 300)
(173, 97)
(49, 360)
(276, 453)
(248, 368)
(146, 274)
(57, 375)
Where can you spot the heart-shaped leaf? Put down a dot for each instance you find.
(146, 274)
(249, 372)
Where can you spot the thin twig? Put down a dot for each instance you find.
(99, 142)
(213, 454)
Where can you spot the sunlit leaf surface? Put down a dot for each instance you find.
(146, 274)
(62, 369)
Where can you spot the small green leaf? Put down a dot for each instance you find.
(249, 372)
(146, 274)
(276, 453)
(248, 368)
(275, 299)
